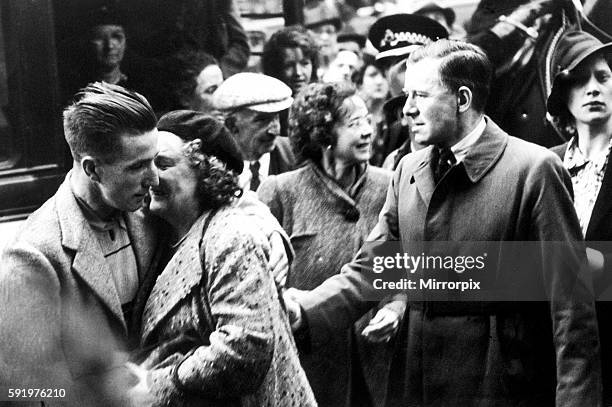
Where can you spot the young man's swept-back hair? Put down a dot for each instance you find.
(462, 64)
(100, 114)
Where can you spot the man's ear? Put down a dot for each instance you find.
(90, 166)
(464, 99)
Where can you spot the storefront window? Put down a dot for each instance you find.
(9, 154)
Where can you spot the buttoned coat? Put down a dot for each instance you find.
(527, 354)
(62, 325)
(215, 311)
(313, 209)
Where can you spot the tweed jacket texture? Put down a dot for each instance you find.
(313, 210)
(215, 311)
(512, 354)
(62, 324)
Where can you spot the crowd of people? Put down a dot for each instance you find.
(210, 244)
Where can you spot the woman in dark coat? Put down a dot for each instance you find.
(328, 207)
(214, 332)
(580, 105)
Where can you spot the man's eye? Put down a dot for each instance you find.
(138, 166)
(210, 90)
(162, 164)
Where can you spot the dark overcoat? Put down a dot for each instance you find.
(527, 354)
(599, 236)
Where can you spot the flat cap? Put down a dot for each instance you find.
(253, 91)
(216, 138)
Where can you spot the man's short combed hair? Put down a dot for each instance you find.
(101, 113)
(462, 64)
(289, 37)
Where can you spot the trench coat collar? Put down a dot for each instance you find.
(485, 153)
(481, 157)
(89, 261)
(182, 273)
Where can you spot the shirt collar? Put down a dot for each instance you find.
(574, 157)
(94, 220)
(264, 169)
(462, 147)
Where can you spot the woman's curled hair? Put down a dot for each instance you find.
(212, 151)
(315, 111)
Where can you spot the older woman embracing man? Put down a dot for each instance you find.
(214, 331)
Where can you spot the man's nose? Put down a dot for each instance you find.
(151, 178)
(410, 108)
(274, 127)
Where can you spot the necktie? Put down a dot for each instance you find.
(255, 181)
(443, 160)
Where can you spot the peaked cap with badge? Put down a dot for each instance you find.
(399, 34)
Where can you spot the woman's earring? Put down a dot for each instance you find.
(329, 146)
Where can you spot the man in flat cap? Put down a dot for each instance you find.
(251, 103)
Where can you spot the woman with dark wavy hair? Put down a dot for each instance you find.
(328, 207)
(213, 331)
(291, 55)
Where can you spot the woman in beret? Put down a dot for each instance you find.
(580, 104)
(328, 207)
(214, 332)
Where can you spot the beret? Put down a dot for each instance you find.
(216, 138)
(253, 91)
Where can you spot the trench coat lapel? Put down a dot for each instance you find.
(423, 178)
(89, 261)
(183, 272)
